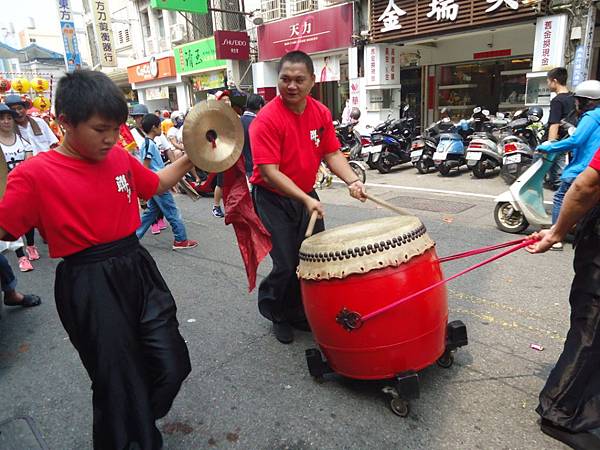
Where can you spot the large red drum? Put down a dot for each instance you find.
(366, 266)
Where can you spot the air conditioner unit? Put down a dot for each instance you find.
(177, 33)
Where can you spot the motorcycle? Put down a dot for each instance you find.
(483, 152)
(519, 146)
(372, 152)
(523, 203)
(450, 151)
(424, 146)
(396, 143)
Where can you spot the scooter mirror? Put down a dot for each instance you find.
(406, 108)
(476, 110)
(446, 119)
(485, 112)
(500, 115)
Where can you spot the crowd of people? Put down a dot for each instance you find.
(81, 190)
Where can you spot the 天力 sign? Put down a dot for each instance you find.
(106, 46)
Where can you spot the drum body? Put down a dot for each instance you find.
(409, 337)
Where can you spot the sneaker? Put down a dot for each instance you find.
(218, 212)
(162, 224)
(283, 332)
(154, 228)
(177, 245)
(24, 264)
(32, 252)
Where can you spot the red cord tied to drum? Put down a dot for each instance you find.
(352, 320)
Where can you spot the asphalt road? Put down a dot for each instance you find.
(248, 391)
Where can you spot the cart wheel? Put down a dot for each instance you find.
(317, 367)
(446, 360)
(399, 407)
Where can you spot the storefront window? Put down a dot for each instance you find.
(495, 85)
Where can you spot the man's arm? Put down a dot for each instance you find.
(170, 175)
(338, 164)
(271, 174)
(174, 143)
(582, 196)
(553, 131)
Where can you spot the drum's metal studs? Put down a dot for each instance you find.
(363, 248)
(376, 246)
(343, 252)
(337, 253)
(370, 247)
(347, 256)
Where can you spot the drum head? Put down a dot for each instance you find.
(362, 247)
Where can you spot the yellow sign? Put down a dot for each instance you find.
(205, 81)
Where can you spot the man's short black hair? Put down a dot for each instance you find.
(254, 102)
(150, 121)
(559, 74)
(297, 57)
(157, 111)
(83, 93)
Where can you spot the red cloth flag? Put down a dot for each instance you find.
(126, 138)
(253, 238)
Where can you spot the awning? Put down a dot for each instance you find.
(119, 77)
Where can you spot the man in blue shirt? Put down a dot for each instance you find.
(253, 105)
(151, 158)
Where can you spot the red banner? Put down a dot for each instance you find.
(232, 45)
(317, 31)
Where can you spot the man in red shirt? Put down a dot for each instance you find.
(290, 136)
(569, 402)
(110, 296)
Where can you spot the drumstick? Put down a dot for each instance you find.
(380, 202)
(311, 224)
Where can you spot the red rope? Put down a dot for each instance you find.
(481, 250)
(516, 245)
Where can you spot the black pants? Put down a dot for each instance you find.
(571, 396)
(286, 219)
(120, 316)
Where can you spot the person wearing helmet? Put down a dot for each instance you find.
(175, 133)
(137, 113)
(33, 129)
(582, 144)
(354, 115)
(166, 123)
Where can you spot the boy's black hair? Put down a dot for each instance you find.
(297, 57)
(157, 111)
(150, 121)
(83, 93)
(254, 102)
(559, 74)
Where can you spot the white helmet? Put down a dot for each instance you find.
(176, 114)
(588, 89)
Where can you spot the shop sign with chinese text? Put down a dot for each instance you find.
(67, 30)
(318, 31)
(382, 65)
(193, 6)
(151, 70)
(197, 56)
(104, 36)
(157, 93)
(205, 81)
(394, 20)
(550, 38)
(232, 45)
(583, 53)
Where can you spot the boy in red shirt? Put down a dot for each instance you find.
(110, 296)
(290, 136)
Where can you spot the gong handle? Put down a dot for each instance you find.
(311, 224)
(381, 202)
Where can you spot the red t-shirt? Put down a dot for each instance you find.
(76, 204)
(595, 162)
(297, 142)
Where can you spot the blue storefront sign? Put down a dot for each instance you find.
(67, 29)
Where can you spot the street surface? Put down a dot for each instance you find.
(248, 391)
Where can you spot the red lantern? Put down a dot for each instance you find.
(4, 85)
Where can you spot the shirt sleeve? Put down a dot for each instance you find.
(27, 147)
(47, 132)
(329, 142)
(266, 142)
(595, 162)
(19, 205)
(556, 111)
(145, 181)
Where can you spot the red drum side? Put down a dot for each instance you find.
(411, 336)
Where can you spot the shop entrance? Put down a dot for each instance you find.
(328, 93)
(411, 92)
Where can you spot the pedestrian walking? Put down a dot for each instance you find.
(254, 103)
(570, 400)
(8, 284)
(582, 144)
(111, 298)
(33, 129)
(162, 203)
(137, 114)
(290, 136)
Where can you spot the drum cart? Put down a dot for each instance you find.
(405, 386)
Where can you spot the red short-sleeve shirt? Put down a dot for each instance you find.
(595, 162)
(296, 142)
(75, 203)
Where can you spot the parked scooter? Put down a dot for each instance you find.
(372, 152)
(520, 145)
(523, 203)
(484, 154)
(424, 146)
(450, 151)
(396, 143)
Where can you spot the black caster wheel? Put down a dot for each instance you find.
(317, 367)
(446, 360)
(399, 407)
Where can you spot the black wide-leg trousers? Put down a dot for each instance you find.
(121, 318)
(279, 298)
(571, 396)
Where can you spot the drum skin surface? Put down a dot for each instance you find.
(409, 337)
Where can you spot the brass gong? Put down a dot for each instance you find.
(213, 136)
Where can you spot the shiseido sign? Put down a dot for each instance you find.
(232, 45)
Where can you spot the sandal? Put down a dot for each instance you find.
(28, 301)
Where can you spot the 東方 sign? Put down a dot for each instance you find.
(394, 20)
(197, 56)
(318, 31)
(67, 30)
(232, 45)
(193, 6)
(152, 69)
